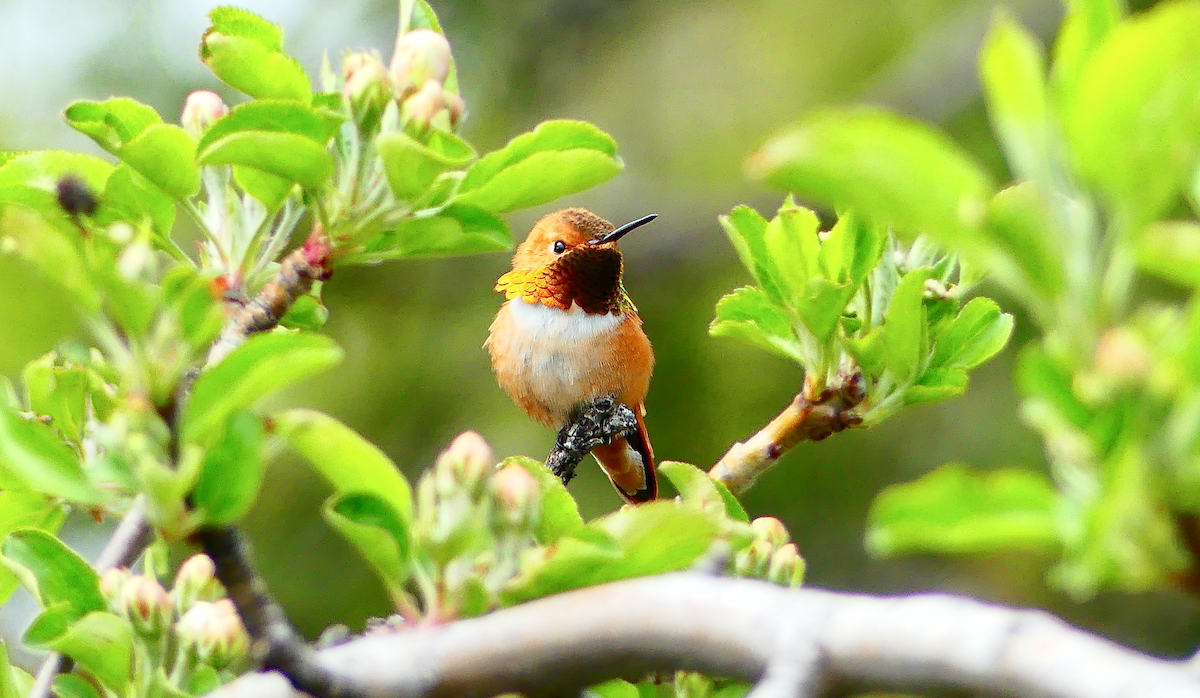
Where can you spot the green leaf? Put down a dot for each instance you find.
(747, 231)
(262, 365)
(269, 189)
(232, 472)
(72, 686)
(560, 513)
(285, 155)
(555, 159)
(1045, 377)
(851, 251)
(273, 116)
(246, 52)
(936, 385)
(128, 196)
(59, 392)
(8, 682)
(1132, 124)
(890, 169)
(654, 538)
(25, 509)
(458, 229)
(54, 573)
(977, 334)
(412, 166)
(1025, 238)
(346, 460)
(163, 153)
(379, 533)
(749, 314)
(697, 489)
(102, 644)
(904, 333)
(956, 511)
(1085, 26)
(791, 242)
(1013, 73)
(307, 313)
(32, 453)
(616, 688)
(1170, 250)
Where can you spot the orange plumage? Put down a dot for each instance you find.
(568, 334)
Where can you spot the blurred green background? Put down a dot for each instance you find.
(688, 89)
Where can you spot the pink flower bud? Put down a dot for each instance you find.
(456, 106)
(112, 584)
(216, 632)
(201, 109)
(368, 85)
(421, 108)
(1121, 355)
(465, 463)
(196, 581)
(421, 55)
(787, 567)
(754, 560)
(770, 529)
(147, 604)
(516, 496)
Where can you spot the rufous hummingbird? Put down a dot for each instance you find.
(569, 334)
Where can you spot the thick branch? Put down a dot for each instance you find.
(812, 416)
(295, 277)
(743, 629)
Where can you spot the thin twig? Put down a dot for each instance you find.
(812, 415)
(736, 628)
(128, 541)
(295, 277)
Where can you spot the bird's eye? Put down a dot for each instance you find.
(559, 247)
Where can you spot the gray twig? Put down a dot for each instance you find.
(807, 640)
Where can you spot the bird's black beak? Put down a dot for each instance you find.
(620, 232)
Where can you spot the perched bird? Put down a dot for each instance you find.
(569, 334)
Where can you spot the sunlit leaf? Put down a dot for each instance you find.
(246, 52)
(25, 509)
(904, 332)
(978, 333)
(54, 573)
(232, 472)
(1170, 250)
(34, 454)
(458, 229)
(412, 166)
(957, 511)
(749, 314)
(1013, 73)
(374, 527)
(560, 513)
(102, 644)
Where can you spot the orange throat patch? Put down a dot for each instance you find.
(589, 277)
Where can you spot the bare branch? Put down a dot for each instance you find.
(743, 629)
(812, 415)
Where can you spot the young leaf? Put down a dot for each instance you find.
(1132, 124)
(904, 333)
(412, 166)
(458, 229)
(273, 116)
(1025, 237)
(560, 513)
(102, 644)
(8, 682)
(749, 315)
(285, 155)
(654, 538)
(953, 510)
(58, 392)
(73, 686)
(936, 385)
(695, 487)
(1170, 250)
(791, 241)
(851, 250)
(25, 509)
(747, 231)
(232, 472)
(346, 460)
(555, 159)
(978, 333)
(32, 453)
(307, 313)
(128, 196)
(163, 153)
(246, 52)
(890, 169)
(616, 688)
(1085, 26)
(263, 364)
(54, 573)
(376, 529)
(1012, 71)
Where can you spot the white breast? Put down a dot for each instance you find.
(559, 354)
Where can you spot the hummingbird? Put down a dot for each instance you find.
(568, 333)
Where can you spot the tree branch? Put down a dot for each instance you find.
(790, 639)
(813, 415)
(297, 272)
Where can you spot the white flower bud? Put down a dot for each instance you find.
(201, 110)
(421, 55)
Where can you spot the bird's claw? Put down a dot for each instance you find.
(592, 424)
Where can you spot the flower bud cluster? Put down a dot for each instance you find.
(771, 556)
(182, 629)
